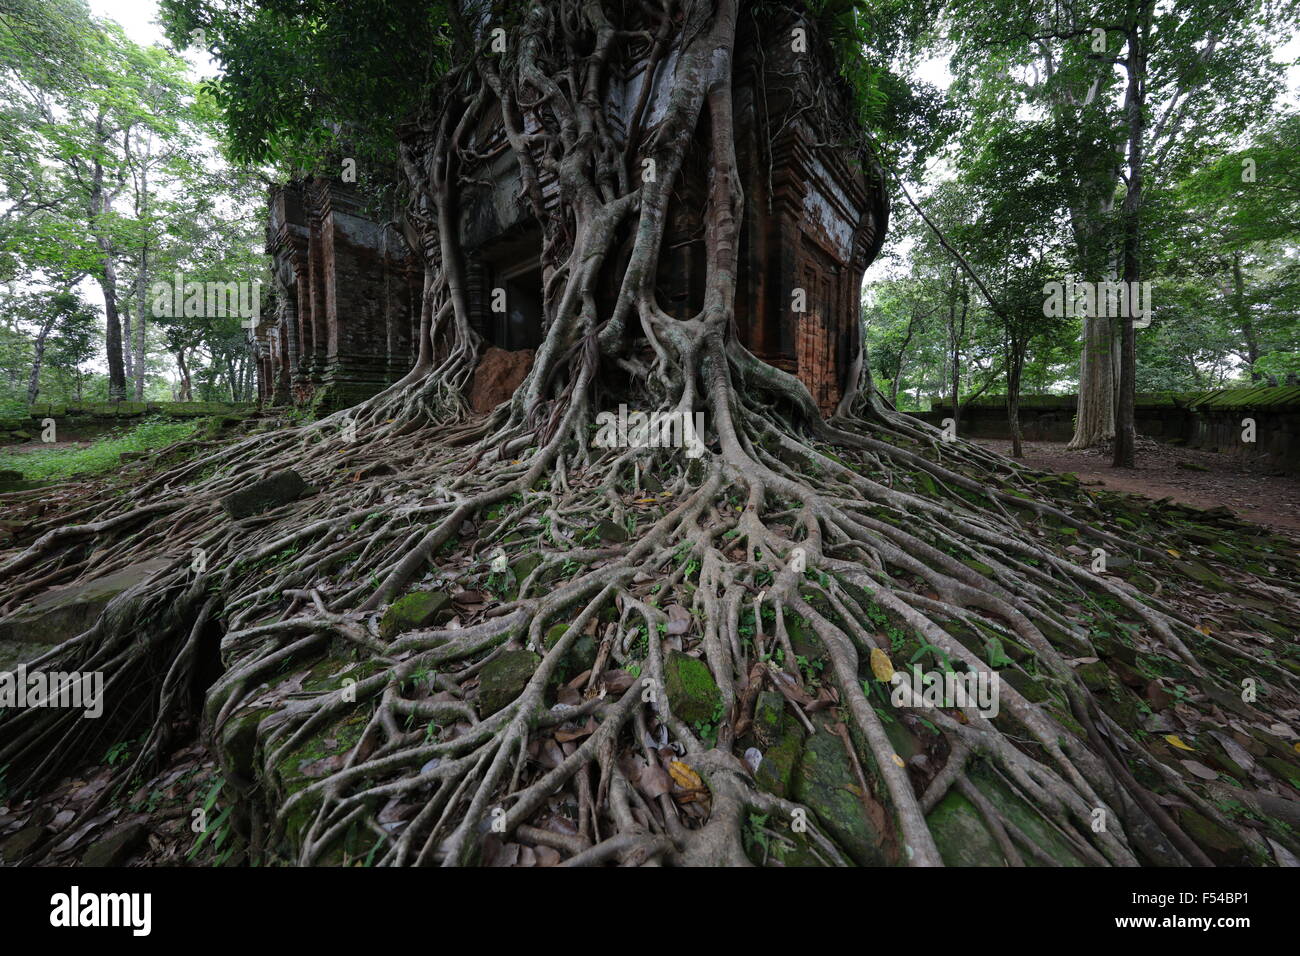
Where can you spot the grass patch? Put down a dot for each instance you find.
(102, 455)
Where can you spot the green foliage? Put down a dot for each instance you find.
(306, 82)
(100, 456)
(108, 172)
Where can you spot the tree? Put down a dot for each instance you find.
(1192, 76)
(854, 538)
(89, 123)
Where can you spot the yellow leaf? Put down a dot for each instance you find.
(1175, 742)
(644, 501)
(899, 760)
(880, 665)
(1173, 552)
(1204, 629)
(684, 776)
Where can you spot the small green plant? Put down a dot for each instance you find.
(707, 731)
(811, 670)
(219, 829)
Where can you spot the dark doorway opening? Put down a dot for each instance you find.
(518, 324)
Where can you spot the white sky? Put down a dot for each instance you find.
(139, 18)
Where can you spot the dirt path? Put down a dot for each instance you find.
(1162, 472)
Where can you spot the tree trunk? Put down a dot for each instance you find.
(1015, 365)
(141, 285)
(902, 355)
(38, 355)
(1095, 415)
(113, 333)
(101, 203)
(186, 391)
(1125, 452)
(128, 356)
(1244, 320)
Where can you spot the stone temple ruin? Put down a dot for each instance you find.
(348, 289)
(346, 300)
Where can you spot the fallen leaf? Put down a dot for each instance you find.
(1174, 741)
(564, 736)
(684, 776)
(881, 666)
(1199, 769)
(654, 782)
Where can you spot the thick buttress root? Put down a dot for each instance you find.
(551, 706)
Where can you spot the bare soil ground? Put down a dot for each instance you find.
(1163, 471)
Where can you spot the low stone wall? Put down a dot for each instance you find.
(1209, 420)
(80, 420)
(1220, 421)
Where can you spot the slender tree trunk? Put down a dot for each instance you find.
(102, 204)
(38, 355)
(128, 365)
(186, 390)
(141, 285)
(902, 356)
(1243, 316)
(1135, 64)
(1015, 365)
(956, 331)
(113, 334)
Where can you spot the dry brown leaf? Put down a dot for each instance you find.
(1199, 769)
(654, 782)
(881, 666)
(684, 776)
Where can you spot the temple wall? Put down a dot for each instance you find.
(347, 293)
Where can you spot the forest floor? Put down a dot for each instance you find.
(150, 823)
(1189, 476)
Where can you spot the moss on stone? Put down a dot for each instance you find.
(768, 712)
(1203, 575)
(414, 610)
(693, 694)
(776, 771)
(502, 679)
(961, 835)
(1219, 844)
(826, 784)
